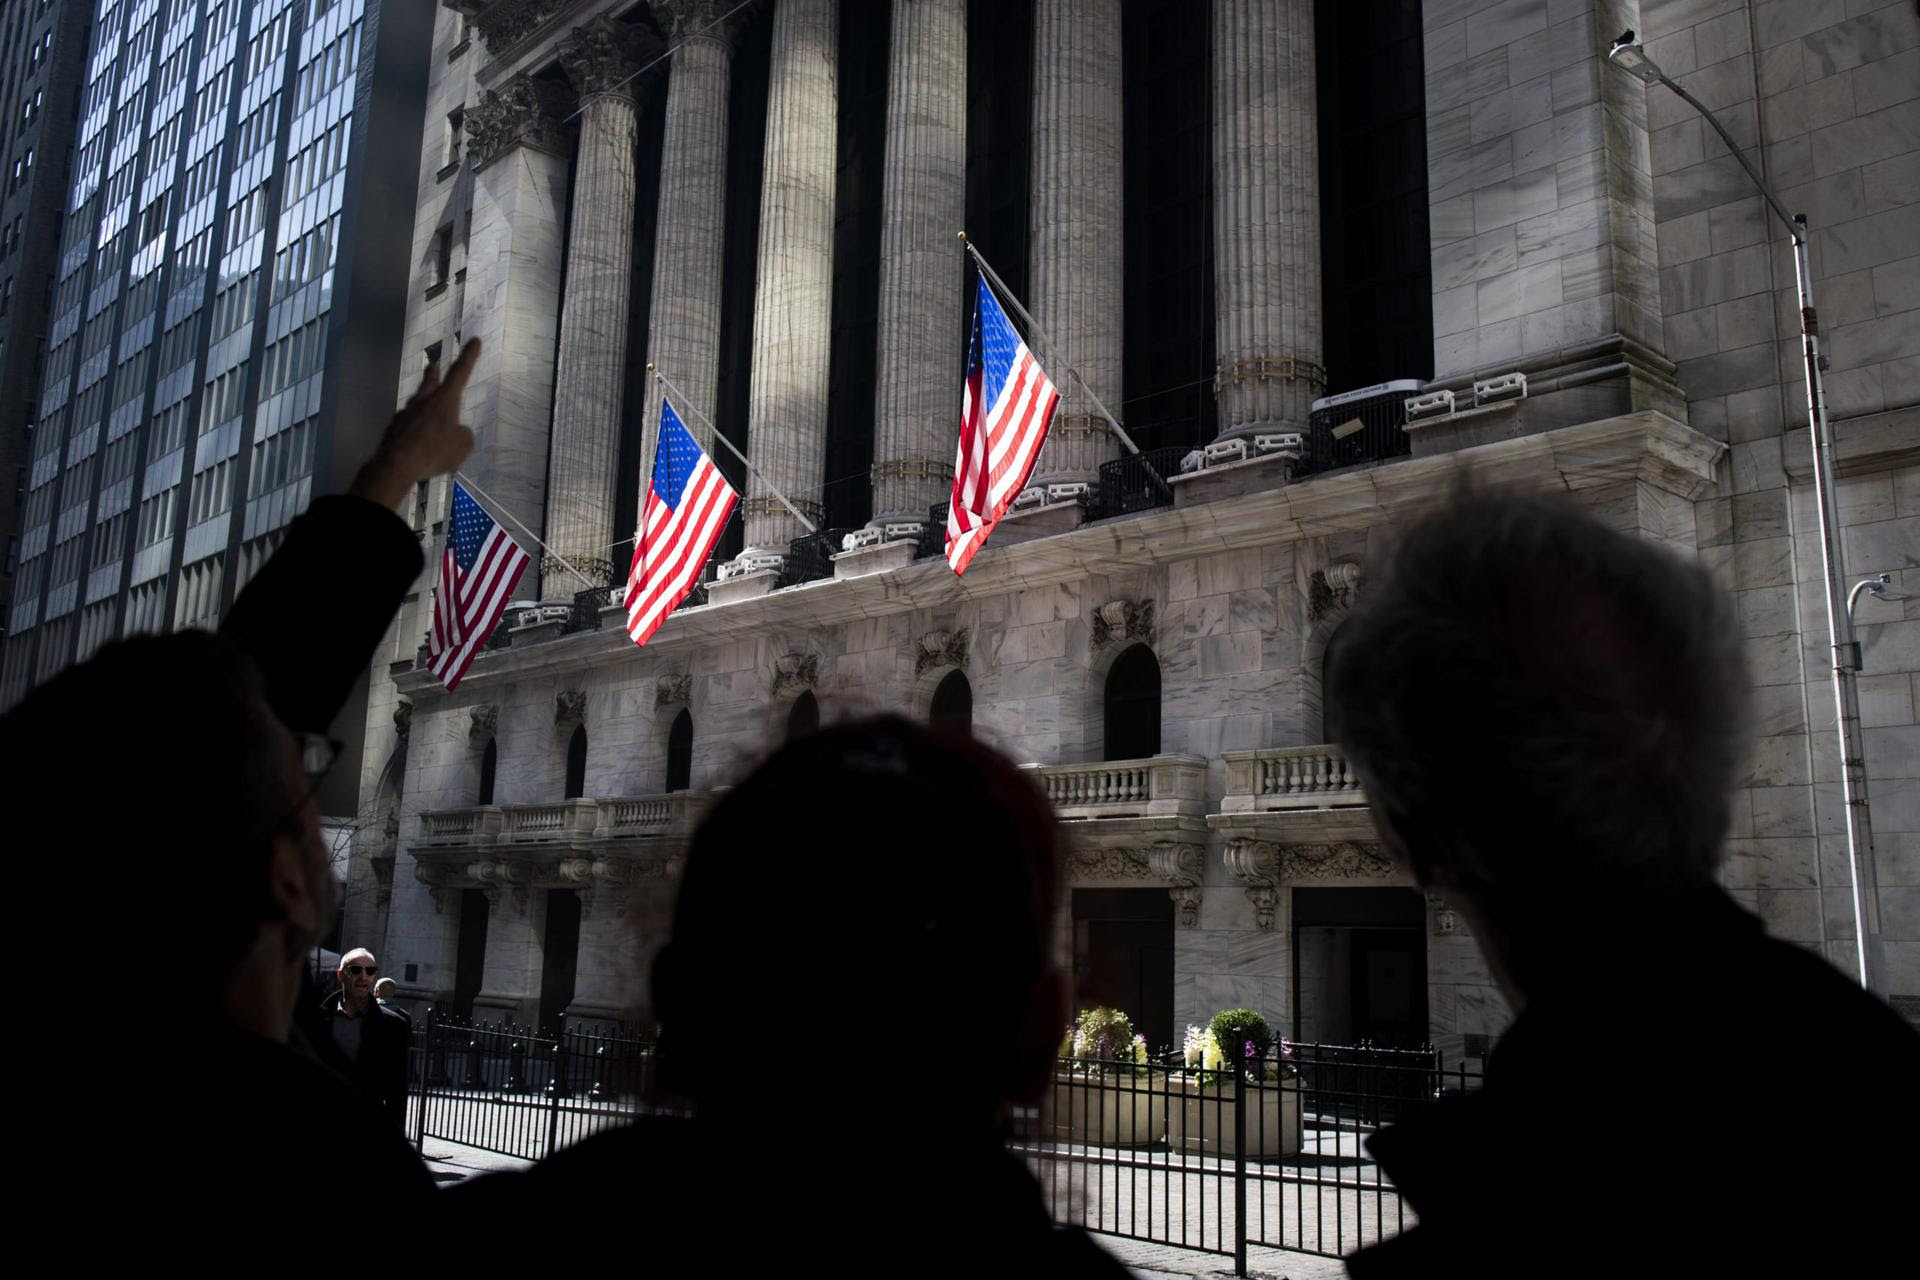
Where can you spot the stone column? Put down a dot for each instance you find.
(519, 150)
(1079, 239)
(683, 333)
(921, 262)
(1266, 216)
(792, 306)
(591, 370)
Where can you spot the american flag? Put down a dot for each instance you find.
(478, 571)
(1004, 414)
(687, 506)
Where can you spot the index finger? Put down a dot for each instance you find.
(455, 380)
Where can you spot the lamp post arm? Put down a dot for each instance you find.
(1793, 225)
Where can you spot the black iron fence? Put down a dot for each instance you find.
(512, 1090)
(1269, 1156)
(1137, 482)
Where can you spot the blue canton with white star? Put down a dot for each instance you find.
(471, 526)
(675, 459)
(994, 345)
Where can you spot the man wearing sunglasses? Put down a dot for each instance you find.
(367, 1041)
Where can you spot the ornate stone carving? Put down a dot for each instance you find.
(402, 717)
(570, 706)
(1255, 862)
(1265, 899)
(1344, 860)
(673, 690)
(795, 671)
(682, 19)
(521, 111)
(601, 56)
(485, 718)
(504, 22)
(1332, 590)
(1122, 619)
(1179, 863)
(1186, 900)
(1107, 864)
(941, 649)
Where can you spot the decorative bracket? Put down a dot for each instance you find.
(1122, 620)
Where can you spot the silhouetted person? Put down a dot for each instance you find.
(165, 787)
(857, 990)
(1549, 719)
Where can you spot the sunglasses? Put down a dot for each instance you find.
(357, 970)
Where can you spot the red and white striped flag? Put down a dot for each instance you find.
(478, 572)
(1004, 415)
(688, 502)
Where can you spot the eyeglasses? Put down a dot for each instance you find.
(318, 755)
(368, 970)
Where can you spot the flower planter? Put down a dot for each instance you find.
(1108, 1110)
(1205, 1122)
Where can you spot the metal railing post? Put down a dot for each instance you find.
(1239, 1167)
(426, 1060)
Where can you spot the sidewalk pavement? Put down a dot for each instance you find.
(450, 1162)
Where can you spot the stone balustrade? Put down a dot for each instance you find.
(1158, 786)
(564, 821)
(1278, 778)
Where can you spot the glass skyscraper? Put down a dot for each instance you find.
(227, 219)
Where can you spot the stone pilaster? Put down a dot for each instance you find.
(921, 262)
(683, 333)
(1079, 239)
(513, 288)
(1266, 216)
(591, 371)
(792, 308)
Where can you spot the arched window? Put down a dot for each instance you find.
(577, 764)
(1133, 705)
(953, 704)
(805, 716)
(680, 752)
(489, 764)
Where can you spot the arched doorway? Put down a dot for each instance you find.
(1133, 706)
(680, 752)
(953, 704)
(804, 718)
(577, 764)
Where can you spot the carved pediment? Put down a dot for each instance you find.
(1122, 620)
(673, 690)
(941, 649)
(523, 111)
(793, 672)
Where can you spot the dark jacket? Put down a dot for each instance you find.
(1706, 1101)
(380, 1072)
(931, 1212)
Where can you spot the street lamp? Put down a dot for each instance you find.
(1628, 55)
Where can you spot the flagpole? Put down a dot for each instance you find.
(714, 431)
(1033, 326)
(559, 559)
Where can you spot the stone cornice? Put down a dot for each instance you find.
(602, 56)
(1646, 446)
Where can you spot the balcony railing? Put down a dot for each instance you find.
(1159, 785)
(1318, 777)
(566, 820)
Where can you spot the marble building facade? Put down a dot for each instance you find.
(520, 836)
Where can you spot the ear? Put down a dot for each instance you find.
(290, 885)
(1040, 1024)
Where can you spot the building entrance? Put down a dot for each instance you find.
(1123, 957)
(1360, 967)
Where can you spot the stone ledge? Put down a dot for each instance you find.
(1869, 443)
(1647, 447)
(748, 586)
(862, 561)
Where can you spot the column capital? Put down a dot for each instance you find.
(682, 19)
(523, 111)
(601, 56)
